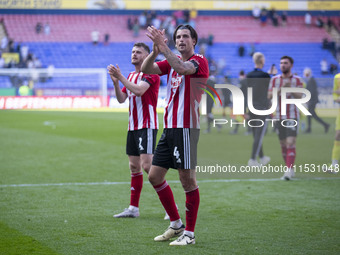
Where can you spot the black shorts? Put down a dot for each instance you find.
(287, 129)
(142, 141)
(177, 148)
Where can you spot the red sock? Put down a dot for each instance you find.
(192, 203)
(167, 199)
(284, 153)
(290, 157)
(136, 188)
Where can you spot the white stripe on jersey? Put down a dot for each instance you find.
(181, 101)
(131, 121)
(186, 152)
(152, 118)
(132, 78)
(291, 110)
(170, 104)
(136, 104)
(139, 112)
(149, 141)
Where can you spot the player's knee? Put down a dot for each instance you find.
(290, 144)
(135, 168)
(188, 184)
(146, 166)
(153, 178)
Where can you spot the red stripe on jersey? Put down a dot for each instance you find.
(135, 116)
(129, 128)
(166, 111)
(142, 110)
(175, 108)
(180, 110)
(187, 109)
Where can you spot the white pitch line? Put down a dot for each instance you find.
(146, 182)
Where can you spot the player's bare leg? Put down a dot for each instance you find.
(135, 164)
(290, 157)
(189, 184)
(157, 179)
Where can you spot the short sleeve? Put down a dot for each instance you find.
(124, 90)
(164, 66)
(151, 79)
(201, 65)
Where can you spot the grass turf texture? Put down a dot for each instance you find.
(264, 217)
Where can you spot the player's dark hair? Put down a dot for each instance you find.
(291, 60)
(193, 32)
(143, 45)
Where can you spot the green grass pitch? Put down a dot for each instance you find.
(85, 151)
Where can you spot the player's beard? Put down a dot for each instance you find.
(136, 63)
(287, 71)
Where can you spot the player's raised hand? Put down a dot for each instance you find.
(114, 72)
(157, 36)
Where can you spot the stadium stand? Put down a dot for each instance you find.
(77, 28)
(69, 43)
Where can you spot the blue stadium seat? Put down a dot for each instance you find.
(85, 55)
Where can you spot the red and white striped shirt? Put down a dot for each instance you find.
(183, 94)
(291, 109)
(142, 110)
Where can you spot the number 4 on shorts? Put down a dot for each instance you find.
(176, 154)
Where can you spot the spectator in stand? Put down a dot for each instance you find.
(221, 65)
(50, 71)
(142, 20)
(252, 49)
(95, 36)
(186, 16)
(192, 18)
(47, 29)
(179, 16)
(325, 43)
(324, 66)
(29, 61)
(149, 18)
(11, 46)
(329, 24)
(211, 40)
(284, 18)
(38, 27)
(156, 22)
(18, 48)
(272, 14)
(241, 50)
(193, 14)
(275, 19)
(319, 22)
(24, 53)
(106, 38)
(333, 69)
(263, 17)
(129, 23)
(4, 44)
(308, 19)
(135, 28)
(256, 12)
